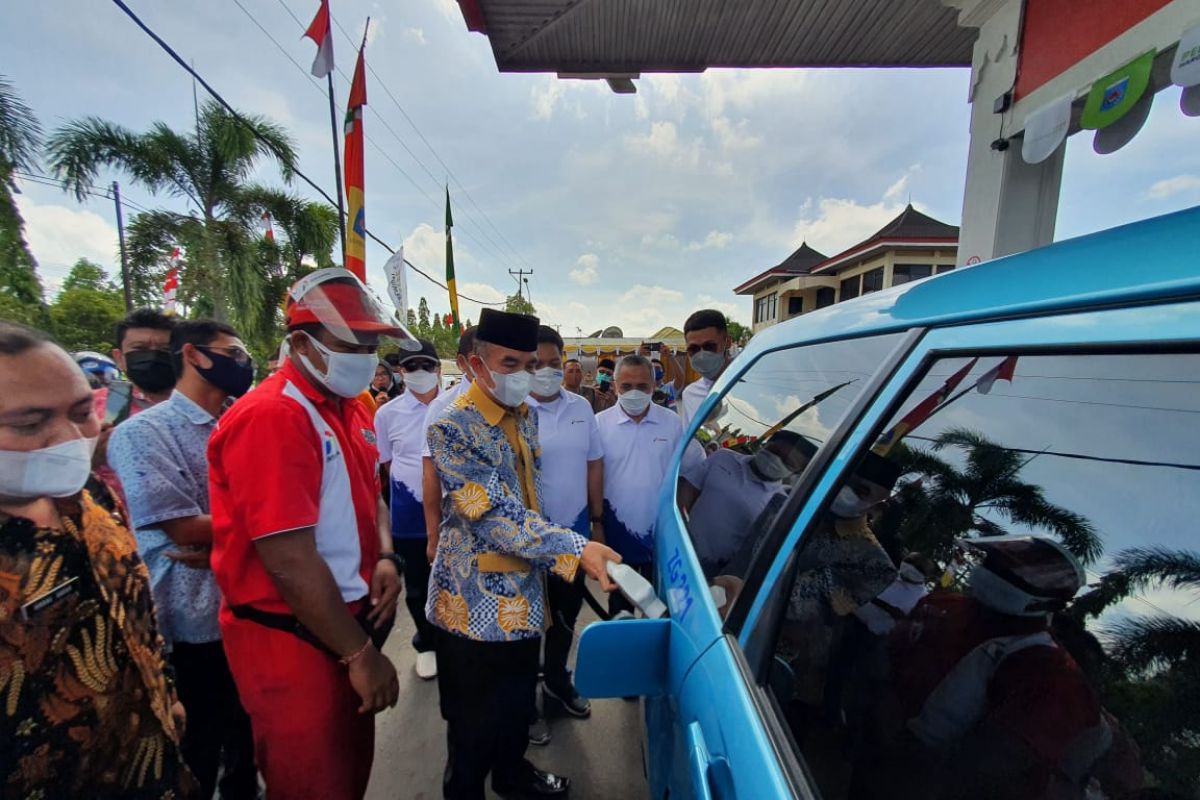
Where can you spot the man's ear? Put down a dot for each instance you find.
(119, 357)
(194, 356)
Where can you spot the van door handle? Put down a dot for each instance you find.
(699, 761)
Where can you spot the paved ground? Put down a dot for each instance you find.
(601, 755)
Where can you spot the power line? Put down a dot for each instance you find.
(412, 123)
(1134, 462)
(89, 189)
(490, 247)
(258, 134)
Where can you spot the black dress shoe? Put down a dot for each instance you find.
(536, 784)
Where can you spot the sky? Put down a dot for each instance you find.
(630, 210)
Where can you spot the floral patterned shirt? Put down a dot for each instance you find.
(494, 546)
(85, 702)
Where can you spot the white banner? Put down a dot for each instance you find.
(397, 283)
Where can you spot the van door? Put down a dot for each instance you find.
(1078, 428)
(706, 734)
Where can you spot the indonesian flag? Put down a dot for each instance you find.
(320, 31)
(356, 231)
(922, 412)
(171, 285)
(268, 231)
(1003, 371)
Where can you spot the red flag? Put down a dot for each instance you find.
(922, 412)
(319, 30)
(268, 231)
(171, 285)
(356, 231)
(1004, 371)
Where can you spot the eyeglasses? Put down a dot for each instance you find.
(412, 366)
(239, 356)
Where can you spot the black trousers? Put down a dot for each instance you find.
(218, 729)
(564, 601)
(487, 694)
(416, 590)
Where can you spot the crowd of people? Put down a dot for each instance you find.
(197, 573)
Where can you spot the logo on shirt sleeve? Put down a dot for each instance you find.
(369, 435)
(329, 445)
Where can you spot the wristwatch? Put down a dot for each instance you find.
(396, 559)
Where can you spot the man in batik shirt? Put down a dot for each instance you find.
(486, 593)
(86, 706)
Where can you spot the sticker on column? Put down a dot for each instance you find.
(1185, 72)
(1120, 133)
(1046, 129)
(1115, 95)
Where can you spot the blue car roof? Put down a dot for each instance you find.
(1156, 259)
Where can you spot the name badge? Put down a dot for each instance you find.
(64, 590)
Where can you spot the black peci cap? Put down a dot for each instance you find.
(878, 470)
(514, 331)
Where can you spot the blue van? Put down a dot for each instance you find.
(1047, 397)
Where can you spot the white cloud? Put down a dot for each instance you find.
(416, 35)
(58, 236)
(647, 297)
(549, 96)
(425, 246)
(734, 137)
(715, 240)
(545, 98)
(1169, 187)
(587, 273)
(896, 190)
(484, 292)
(663, 142)
(832, 224)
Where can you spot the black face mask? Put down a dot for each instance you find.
(226, 373)
(150, 370)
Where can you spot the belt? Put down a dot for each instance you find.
(289, 623)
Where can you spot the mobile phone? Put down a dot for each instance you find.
(655, 347)
(116, 405)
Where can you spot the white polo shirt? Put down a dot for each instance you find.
(637, 456)
(438, 405)
(569, 438)
(731, 498)
(693, 395)
(399, 432)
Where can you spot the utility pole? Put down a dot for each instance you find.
(519, 276)
(116, 190)
(337, 163)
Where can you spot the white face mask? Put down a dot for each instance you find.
(511, 388)
(770, 466)
(57, 471)
(848, 505)
(708, 363)
(421, 381)
(547, 381)
(635, 402)
(346, 374)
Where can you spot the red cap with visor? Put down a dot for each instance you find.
(342, 304)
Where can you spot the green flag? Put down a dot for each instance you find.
(454, 319)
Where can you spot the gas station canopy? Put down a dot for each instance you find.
(618, 39)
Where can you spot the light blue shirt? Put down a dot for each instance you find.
(569, 438)
(160, 456)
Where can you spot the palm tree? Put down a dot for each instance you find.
(1152, 675)
(210, 169)
(20, 138)
(948, 503)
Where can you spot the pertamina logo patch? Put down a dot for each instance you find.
(369, 435)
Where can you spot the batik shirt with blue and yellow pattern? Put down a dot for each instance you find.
(494, 548)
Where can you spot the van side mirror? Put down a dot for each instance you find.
(623, 658)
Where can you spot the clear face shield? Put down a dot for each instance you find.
(346, 307)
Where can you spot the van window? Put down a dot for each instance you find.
(761, 436)
(1001, 598)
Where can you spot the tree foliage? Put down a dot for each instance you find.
(20, 141)
(519, 304)
(227, 270)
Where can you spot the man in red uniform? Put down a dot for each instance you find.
(990, 704)
(301, 552)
